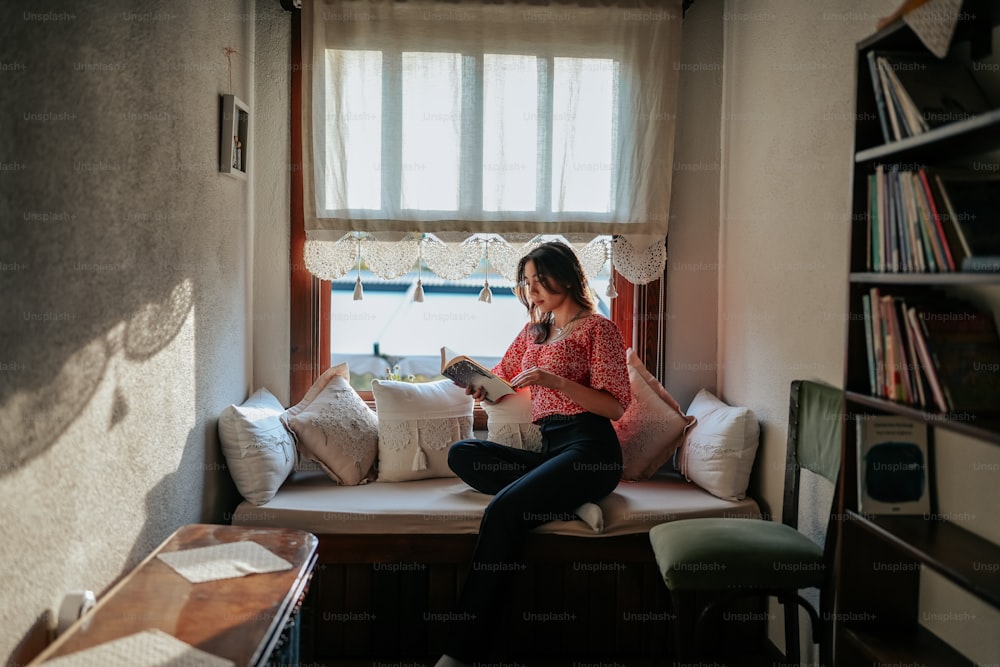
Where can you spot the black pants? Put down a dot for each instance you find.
(580, 462)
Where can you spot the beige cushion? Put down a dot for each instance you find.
(508, 422)
(310, 502)
(417, 422)
(719, 451)
(259, 450)
(335, 428)
(653, 425)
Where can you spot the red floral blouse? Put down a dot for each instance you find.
(592, 353)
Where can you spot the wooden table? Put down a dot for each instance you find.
(241, 618)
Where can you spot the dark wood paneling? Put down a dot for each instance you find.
(388, 597)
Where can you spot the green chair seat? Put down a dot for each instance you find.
(720, 554)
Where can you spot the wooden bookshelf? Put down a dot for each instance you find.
(940, 144)
(877, 616)
(947, 547)
(910, 646)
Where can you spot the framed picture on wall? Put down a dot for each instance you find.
(234, 144)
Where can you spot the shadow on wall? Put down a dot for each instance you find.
(41, 412)
(118, 237)
(111, 211)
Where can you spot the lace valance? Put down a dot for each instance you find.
(455, 256)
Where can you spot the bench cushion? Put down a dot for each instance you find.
(310, 501)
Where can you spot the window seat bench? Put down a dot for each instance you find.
(392, 557)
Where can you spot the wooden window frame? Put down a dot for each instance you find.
(310, 297)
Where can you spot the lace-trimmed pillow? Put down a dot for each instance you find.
(335, 428)
(259, 450)
(508, 422)
(417, 423)
(652, 427)
(718, 453)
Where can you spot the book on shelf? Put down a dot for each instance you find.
(964, 349)
(936, 234)
(904, 379)
(901, 224)
(935, 247)
(895, 359)
(467, 372)
(934, 393)
(919, 380)
(971, 214)
(893, 108)
(917, 92)
(932, 220)
(931, 353)
(892, 465)
(866, 308)
(910, 121)
(875, 323)
(880, 102)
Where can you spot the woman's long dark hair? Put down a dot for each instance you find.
(555, 264)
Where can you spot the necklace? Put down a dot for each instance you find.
(560, 330)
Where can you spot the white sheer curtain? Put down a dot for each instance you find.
(446, 130)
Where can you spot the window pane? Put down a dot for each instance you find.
(583, 134)
(432, 122)
(510, 132)
(387, 327)
(354, 122)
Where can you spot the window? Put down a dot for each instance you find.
(475, 117)
(388, 329)
(451, 120)
(471, 136)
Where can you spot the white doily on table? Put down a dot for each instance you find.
(224, 561)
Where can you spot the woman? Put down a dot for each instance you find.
(574, 361)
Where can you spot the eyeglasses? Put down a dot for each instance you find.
(540, 279)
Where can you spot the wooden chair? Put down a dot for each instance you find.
(719, 559)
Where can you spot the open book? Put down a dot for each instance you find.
(469, 373)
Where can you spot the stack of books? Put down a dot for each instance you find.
(917, 92)
(935, 354)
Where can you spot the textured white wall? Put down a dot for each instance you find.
(272, 184)
(123, 296)
(787, 113)
(692, 285)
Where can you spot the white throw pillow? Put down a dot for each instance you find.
(259, 450)
(719, 451)
(417, 423)
(508, 422)
(335, 428)
(653, 425)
